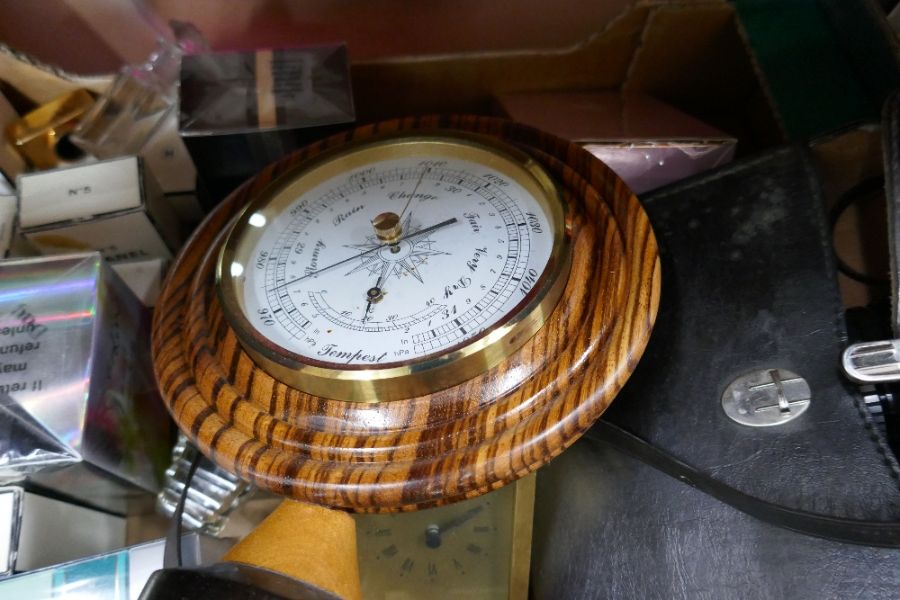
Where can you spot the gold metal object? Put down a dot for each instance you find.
(387, 227)
(391, 381)
(486, 557)
(41, 135)
(523, 525)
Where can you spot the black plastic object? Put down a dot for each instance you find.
(225, 161)
(229, 581)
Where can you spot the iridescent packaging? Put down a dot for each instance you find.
(79, 410)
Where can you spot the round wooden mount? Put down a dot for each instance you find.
(428, 450)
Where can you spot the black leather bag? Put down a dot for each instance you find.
(711, 507)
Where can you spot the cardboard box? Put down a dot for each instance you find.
(113, 206)
(689, 55)
(455, 57)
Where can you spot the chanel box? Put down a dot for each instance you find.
(114, 206)
(79, 411)
(167, 158)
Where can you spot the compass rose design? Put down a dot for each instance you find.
(400, 259)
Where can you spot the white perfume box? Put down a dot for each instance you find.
(168, 159)
(143, 277)
(8, 210)
(114, 206)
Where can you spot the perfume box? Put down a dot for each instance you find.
(240, 111)
(36, 531)
(646, 142)
(143, 278)
(80, 414)
(114, 206)
(8, 212)
(167, 158)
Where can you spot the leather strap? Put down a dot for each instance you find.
(869, 533)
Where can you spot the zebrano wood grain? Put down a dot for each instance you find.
(428, 450)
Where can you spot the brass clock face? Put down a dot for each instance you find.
(396, 267)
(475, 549)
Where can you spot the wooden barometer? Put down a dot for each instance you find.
(410, 314)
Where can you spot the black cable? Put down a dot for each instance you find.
(867, 189)
(173, 537)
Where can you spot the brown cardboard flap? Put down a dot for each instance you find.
(606, 117)
(689, 54)
(378, 29)
(466, 82)
(697, 59)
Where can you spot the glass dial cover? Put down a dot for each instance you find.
(393, 259)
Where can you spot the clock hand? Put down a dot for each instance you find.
(440, 225)
(375, 293)
(433, 532)
(413, 195)
(369, 302)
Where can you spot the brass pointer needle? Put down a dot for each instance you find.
(440, 225)
(375, 293)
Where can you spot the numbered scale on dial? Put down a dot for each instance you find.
(407, 266)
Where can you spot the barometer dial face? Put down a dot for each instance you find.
(395, 258)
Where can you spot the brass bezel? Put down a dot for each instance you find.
(363, 383)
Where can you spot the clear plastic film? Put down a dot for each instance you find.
(139, 101)
(46, 327)
(265, 90)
